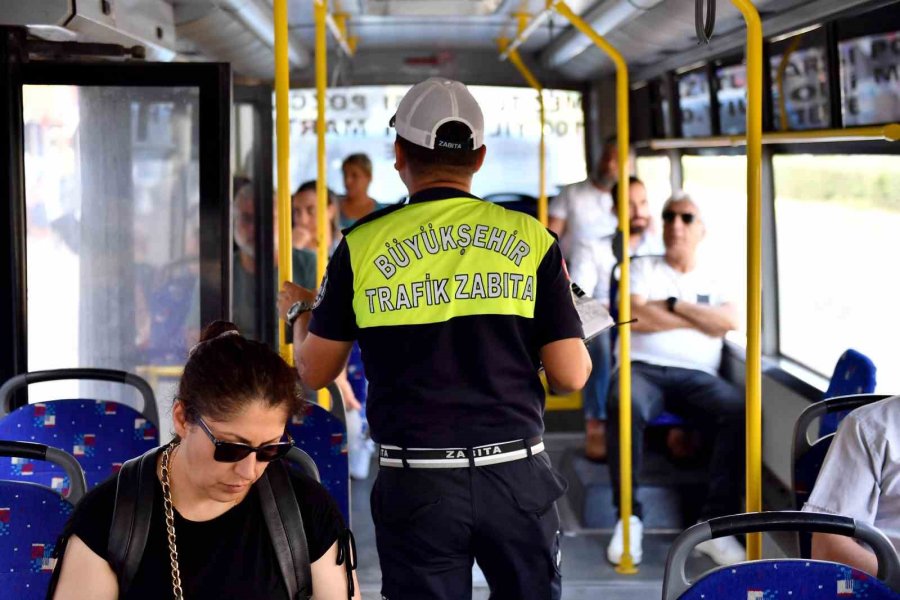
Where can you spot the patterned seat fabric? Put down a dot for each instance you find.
(324, 438)
(101, 435)
(787, 579)
(31, 519)
(854, 373)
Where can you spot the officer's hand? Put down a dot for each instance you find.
(291, 293)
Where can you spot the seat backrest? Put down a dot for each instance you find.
(853, 374)
(807, 456)
(787, 578)
(101, 435)
(323, 436)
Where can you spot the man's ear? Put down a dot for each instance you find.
(481, 154)
(399, 157)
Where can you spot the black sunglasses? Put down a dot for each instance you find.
(669, 217)
(230, 452)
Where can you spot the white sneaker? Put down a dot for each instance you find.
(723, 551)
(616, 545)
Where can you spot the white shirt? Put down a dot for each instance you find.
(592, 262)
(860, 477)
(587, 212)
(688, 348)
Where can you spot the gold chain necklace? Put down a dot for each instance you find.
(170, 522)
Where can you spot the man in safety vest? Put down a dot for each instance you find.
(456, 304)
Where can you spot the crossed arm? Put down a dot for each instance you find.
(654, 316)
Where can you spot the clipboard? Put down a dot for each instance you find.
(595, 318)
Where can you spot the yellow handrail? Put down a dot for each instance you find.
(320, 12)
(779, 81)
(754, 267)
(890, 133)
(516, 60)
(626, 566)
(282, 136)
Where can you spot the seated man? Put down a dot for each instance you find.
(681, 315)
(592, 262)
(861, 479)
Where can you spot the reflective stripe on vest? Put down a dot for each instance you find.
(432, 261)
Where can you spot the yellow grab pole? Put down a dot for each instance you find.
(282, 135)
(626, 566)
(779, 81)
(754, 267)
(321, 11)
(516, 60)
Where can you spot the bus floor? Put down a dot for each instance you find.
(586, 572)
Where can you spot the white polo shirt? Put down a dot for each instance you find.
(592, 262)
(587, 212)
(688, 348)
(860, 477)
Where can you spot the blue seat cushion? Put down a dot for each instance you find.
(101, 435)
(787, 579)
(854, 373)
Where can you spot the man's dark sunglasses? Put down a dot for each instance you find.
(669, 217)
(230, 452)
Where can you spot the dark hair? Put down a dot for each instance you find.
(226, 372)
(424, 161)
(239, 182)
(615, 188)
(310, 186)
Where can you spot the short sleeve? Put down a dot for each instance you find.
(639, 279)
(322, 520)
(333, 317)
(559, 207)
(848, 482)
(554, 311)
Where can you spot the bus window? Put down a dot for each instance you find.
(716, 184)
(870, 82)
(837, 221)
(112, 229)
(358, 122)
(654, 171)
(731, 92)
(694, 103)
(803, 61)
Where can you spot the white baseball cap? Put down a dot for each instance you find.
(430, 104)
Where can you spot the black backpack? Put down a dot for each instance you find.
(133, 513)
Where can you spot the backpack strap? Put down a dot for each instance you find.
(285, 525)
(132, 514)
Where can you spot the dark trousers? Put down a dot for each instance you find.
(430, 524)
(710, 402)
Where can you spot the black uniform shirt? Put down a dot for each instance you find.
(451, 299)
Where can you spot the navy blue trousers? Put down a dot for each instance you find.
(710, 402)
(431, 524)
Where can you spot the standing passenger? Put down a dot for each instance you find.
(356, 204)
(456, 303)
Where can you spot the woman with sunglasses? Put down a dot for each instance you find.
(234, 400)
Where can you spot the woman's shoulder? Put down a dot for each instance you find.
(322, 520)
(92, 517)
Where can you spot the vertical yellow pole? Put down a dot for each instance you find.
(516, 60)
(282, 135)
(321, 11)
(754, 268)
(627, 564)
(779, 81)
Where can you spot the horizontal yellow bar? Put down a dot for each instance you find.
(890, 133)
(160, 371)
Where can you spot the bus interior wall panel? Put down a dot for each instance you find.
(13, 340)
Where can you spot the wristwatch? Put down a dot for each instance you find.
(670, 303)
(297, 309)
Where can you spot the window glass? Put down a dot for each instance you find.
(870, 79)
(693, 104)
(112, 224)
(731, 93)
(799, 69)
(358, 122)
(837, 221)
(655, 172)
(717, 185)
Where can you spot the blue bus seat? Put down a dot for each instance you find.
(100, 434)
(323, 436)
(808, 455)
(853, 374)
(32, 517)
(782, 578)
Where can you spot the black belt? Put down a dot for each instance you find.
(455, 458)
